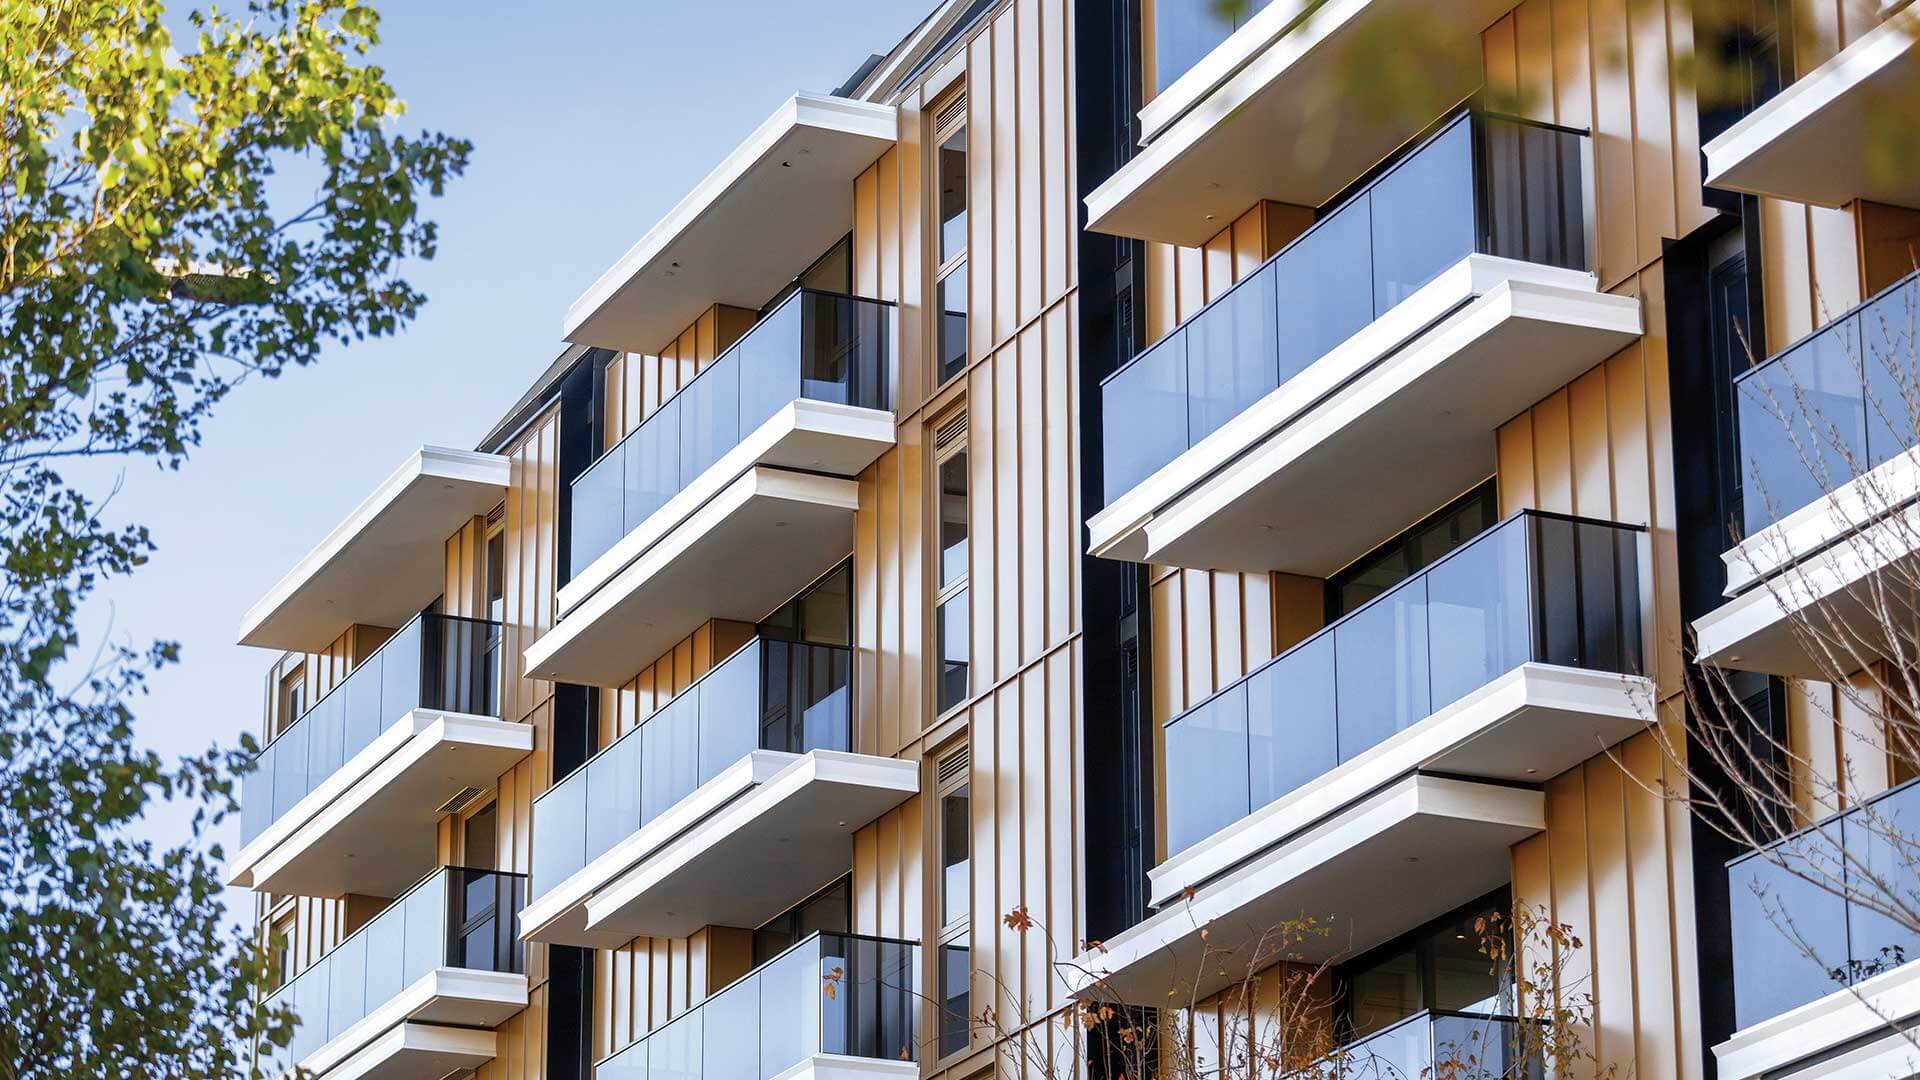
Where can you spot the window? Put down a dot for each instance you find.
(1442, 966)
(950, 282)
(821, 615)
(952, 641)
(280, 952)
(490, 666)
(830, 909)
(953, 970)
(478, 839)
(1412, 551)
(293, 697)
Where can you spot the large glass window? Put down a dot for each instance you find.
(1446, 965)
(821, 615)
(950, 288)
(954, 841)
(479, 839)
(830, 909)
(1412, 551)
(952, 625)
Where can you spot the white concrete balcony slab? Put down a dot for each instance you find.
(764, 537)
(1268, 114)
(368, 828)
(387, 560)
(1814, 141)
(411, 995)
(1353, 867)
(1410, 404)
(727, 805)
(746, 845)
(779, 199)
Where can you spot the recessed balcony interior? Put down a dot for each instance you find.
(394, 998)
(1822, 140)
(387, 560)
(780, 198)
(1388, 341)
(1514, 657)
(1272, 111)
(1816, 968)
(1831, 481)
(730, 497)
(345, 798)
(833, 1007)
(730, 804)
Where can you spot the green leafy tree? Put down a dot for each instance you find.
(187, 199)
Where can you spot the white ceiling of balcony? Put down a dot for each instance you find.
(1270, 113)
(773, 206)
(387, 560)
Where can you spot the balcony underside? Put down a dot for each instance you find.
(1371, 436)
(387, 560)
(780, 198)
(1528, 726)
(1815, 141)
(1352, 869)
(745, 846)
(1268, 114)
(755, 544)
(444, 1017)
(1834, 1036)
(369, 828)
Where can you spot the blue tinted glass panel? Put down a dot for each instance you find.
(729, 711)
(1382, 666)
(710, 416)
(1207, 769)
(1230, 355)
(560, 832)
(1879, 843)
(597, 510)
(673, 1052)
(731, 1033)
(652, 474)
(1323, 288)
(669, 756)
(1477, 603)
(1290, 719)
(789, 1010)
(1184, 32)
(1144, 410)
(1802, 422)
(347, 996)
(1891, 348)
(614, 787)
(1771, 972)
(1423, 217)
(769, 365)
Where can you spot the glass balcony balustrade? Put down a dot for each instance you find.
(1796, 940)
(815, 345)
(1457, 1046)
(769, 695)
(1535, 588)
(1483, 184)
(454, 918)
(433, 662)
(1836, 404)
(832, 993)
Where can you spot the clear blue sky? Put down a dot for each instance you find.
(589, 121)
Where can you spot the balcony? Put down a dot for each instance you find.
(1817, 141)
(1845, 1002)
(387, 560)
(833, 1007)
(344, 800)
(1386, 344)
(1456, 1045)
(413, 994)
(1515, 657)
(1263, 115)
(781, 198)
(729, 805)
(1510, 660)
(732, 496)
(1832, 477)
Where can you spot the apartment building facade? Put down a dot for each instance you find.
(1096, 463)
